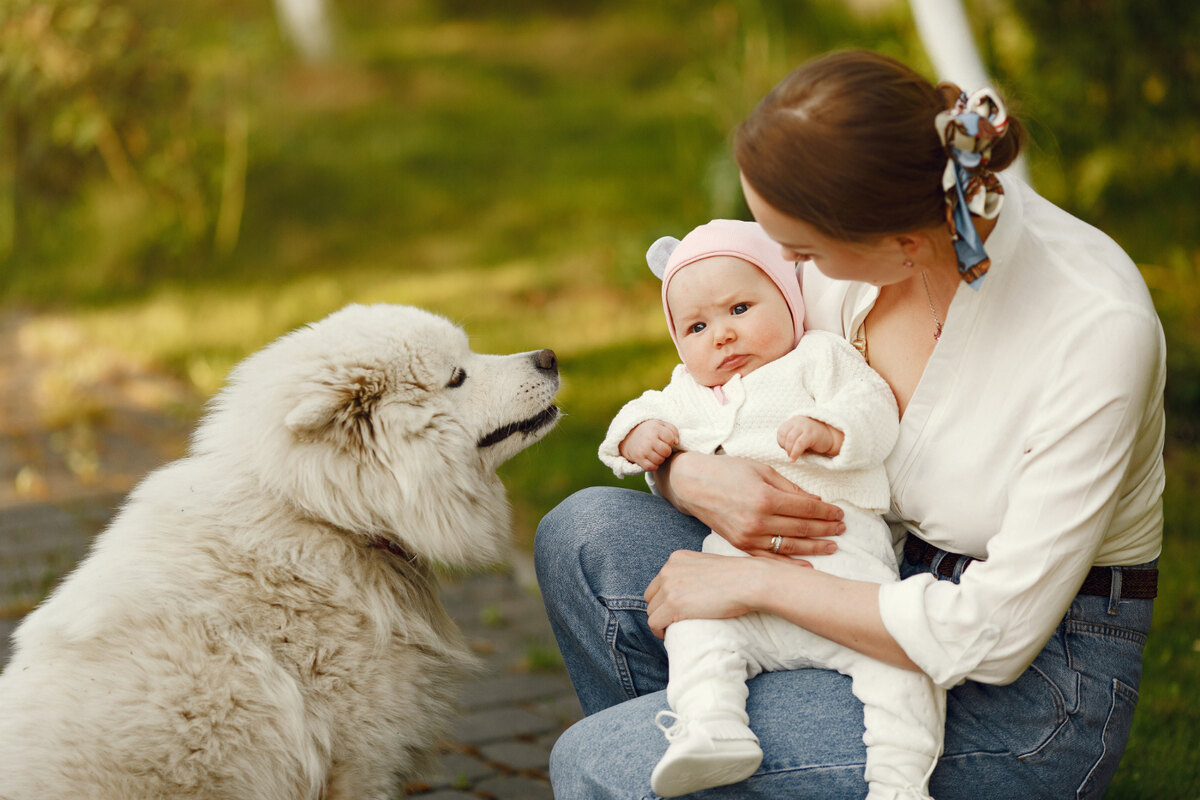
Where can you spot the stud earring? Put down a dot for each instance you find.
(908, 264)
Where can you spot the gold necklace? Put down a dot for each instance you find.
(937, 331)
(860, 342)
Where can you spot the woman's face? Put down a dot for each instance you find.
(878, 262)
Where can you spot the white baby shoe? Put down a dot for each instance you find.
(712, 751)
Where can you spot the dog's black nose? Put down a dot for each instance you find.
(545, 360)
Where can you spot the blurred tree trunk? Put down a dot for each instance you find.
(950, 45)
(8, 187)
(306, 24)
(233, 171)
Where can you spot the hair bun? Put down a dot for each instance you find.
(1008, 146)
(977, 130)
(949, 92)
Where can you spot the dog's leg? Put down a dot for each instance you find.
(351, 781)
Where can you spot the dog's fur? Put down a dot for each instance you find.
(261, 619)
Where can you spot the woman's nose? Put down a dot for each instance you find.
(793, 255)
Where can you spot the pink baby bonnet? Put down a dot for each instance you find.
(728, 237)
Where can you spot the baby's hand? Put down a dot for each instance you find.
(802, 434)
(649, 444)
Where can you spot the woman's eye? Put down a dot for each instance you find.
(457, 378)
(740, 308)
(696, 328)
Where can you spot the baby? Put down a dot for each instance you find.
(754, 384)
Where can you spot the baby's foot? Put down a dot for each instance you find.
(703, 753)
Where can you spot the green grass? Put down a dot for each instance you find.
(507, 167)
(1161, 759)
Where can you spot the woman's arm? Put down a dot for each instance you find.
(698, 585)
(749, 504)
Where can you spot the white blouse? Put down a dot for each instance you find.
(1033, 440)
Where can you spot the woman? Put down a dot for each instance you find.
(1027, 362)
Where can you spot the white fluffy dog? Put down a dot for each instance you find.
(261, 620)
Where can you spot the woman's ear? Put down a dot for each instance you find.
(914, 247)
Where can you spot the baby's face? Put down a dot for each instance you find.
(729, 319)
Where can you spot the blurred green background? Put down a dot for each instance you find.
(178, 187)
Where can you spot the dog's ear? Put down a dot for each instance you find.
(346, 400)
(313, 414)
(355, 405)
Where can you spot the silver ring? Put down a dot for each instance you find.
(775, 542)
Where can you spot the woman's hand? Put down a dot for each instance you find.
(749, 504)
(695, 585)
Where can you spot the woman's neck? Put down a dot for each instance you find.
(906, 322)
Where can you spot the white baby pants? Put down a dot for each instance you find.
(903, 711)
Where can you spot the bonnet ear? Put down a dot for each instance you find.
(660, 253)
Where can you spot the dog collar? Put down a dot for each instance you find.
(383, 543)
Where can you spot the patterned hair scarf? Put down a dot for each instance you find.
(968, 130)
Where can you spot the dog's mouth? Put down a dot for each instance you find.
(526, 426)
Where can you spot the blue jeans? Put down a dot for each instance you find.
(1058, 731)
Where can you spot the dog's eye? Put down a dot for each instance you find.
(458, 378)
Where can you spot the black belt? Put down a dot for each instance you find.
(1136, 584)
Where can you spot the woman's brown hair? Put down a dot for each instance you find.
(847, 143)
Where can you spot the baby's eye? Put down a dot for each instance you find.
(696, 327)
(740, 308)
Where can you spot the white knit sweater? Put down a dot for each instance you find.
(824, 378)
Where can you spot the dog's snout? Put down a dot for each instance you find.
(546, 361)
